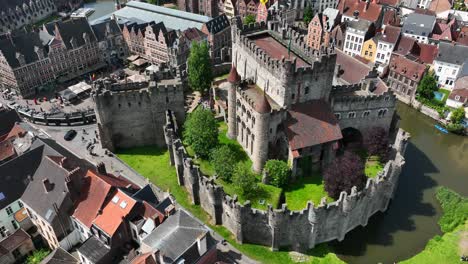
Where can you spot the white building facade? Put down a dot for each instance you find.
(8, 224)
(446, 73)
(354, 40)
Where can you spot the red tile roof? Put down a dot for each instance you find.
(439, 6)
(427, 52)
(351, 70)
(408, 68)
(380, 88)
(148, 211)
(95, 189)
(16, 131)
(391, 17)
(13, 241)
(462, 93)
(114, 212)
(405, 45)
(463, 36)
(389, 2)
(445, 31)
(461, 83)
(370, 12)
(233, 75)
(391, 34)
(311, 123)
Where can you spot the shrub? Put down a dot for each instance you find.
(201, 132)
(456, 128)
(37, 256)
(249, 19)
(427, 86)
(245, 181)
(455, 209)
(343, 173)
(376, 142)
(278, 172)
(223, 161)
(458, 115)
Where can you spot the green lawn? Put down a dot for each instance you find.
(373, 166)
(153, 163)
(309, 188)
(267, 194)
(441, 249)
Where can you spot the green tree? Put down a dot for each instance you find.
(200, 73)
(245, 182)
(37, 256)
(458, 115)
(249, 19)
(201, 132)
(308, 15)
(223, 160)
(278, 172)
(153, 2)
(427, 86)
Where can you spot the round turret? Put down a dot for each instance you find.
(233, 75)
(263, 106)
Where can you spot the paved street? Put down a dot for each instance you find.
(81, 147)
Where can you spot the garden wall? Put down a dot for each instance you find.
(299, 230)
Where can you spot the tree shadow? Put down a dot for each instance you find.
(408, 202)
(144, 150)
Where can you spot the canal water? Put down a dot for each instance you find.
(101, 7)
(432, 159)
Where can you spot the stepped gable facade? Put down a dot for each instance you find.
(275, 81)
(132, 113)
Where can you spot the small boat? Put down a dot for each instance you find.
(441, 129)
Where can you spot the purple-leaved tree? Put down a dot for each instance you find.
(376, 142)
(343, 173)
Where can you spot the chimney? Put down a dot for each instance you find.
(101, 168)
(201, 244)
(48, 186)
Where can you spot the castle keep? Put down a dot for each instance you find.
(281, 102)
(133, 114)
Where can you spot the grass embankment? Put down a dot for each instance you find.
(153, 163)
(305, 189)
(454, 222)
(267, 194)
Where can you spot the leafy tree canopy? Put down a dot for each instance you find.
(249, 19)
(200, 73)
(201, 132)
(278, 172)
(458, 115)
(308, 15)
(37, 256)
(427, 86)
(343, 173)
(223, 160)
(245, 181)
(376, 142)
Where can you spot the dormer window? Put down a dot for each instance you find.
(457, 97)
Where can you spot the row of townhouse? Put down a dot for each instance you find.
(59, 51)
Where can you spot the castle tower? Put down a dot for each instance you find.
(260, 142)
(233, 81)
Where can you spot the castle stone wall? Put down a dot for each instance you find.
(299, 230)
(344, 105)
(133, 114)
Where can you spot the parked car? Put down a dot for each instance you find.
(70, 135)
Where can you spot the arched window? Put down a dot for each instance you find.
(338, 116)
(352, 115)
(366, 114)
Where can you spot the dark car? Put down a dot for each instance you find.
(70, 135)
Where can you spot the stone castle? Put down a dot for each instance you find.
(132, 114)
(279, 228)
(281, 102)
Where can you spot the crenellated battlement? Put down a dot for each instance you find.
(346, 88)
(355, 98)
(301, 229)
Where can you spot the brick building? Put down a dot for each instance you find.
(218, 31)
(247, 7)
(404, 77)
(320, 29)
(34, 59)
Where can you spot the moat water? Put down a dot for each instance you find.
(432, 159)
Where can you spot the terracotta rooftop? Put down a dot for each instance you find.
(13, 241)
(405, 46)
(445, 31)
(144, 259)
(391, 34)
(380, 88)
(461, 83)
(427, 52)
(233, 75)
(114, 211)
(388, 2)
(459, 95)
(276, 49)
(391, 17)
(20, 215)
(406, 67)
(7, 150)
(351, 70)
(369, 12)
(311, 123)
(16, 131)
(463, 36)
(439, 6)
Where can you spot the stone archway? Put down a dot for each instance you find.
(352, 138)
